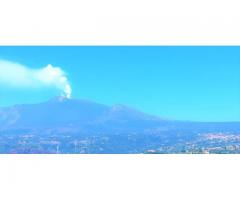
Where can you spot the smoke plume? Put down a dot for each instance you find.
(17, 75)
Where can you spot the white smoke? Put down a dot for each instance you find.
(17, 75)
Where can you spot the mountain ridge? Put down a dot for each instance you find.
(80, 114)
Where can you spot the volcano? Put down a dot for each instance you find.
(62, 112)
(79, 114)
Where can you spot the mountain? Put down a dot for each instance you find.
(61, 112)
(76, 114)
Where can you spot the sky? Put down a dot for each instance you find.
(182, 83)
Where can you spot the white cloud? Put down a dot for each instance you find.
(17, 75)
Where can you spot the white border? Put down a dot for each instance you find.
(107, 177)
(125, 22)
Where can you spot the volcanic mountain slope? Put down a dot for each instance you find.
(61, 113)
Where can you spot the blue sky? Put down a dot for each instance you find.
(186, 83)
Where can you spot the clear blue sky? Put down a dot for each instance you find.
(189, 83)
